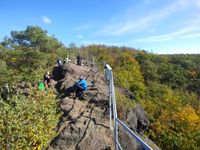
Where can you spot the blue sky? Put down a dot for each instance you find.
(159, 26)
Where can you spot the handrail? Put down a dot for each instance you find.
(113, 112)
(147, 147)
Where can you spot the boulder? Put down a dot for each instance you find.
(129, 94)
(137, 119)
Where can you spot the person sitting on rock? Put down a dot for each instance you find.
(59, 62)
(80, 86)
(47, 79)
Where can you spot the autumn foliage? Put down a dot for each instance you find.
(167, 86)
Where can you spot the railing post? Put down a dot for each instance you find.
(108, 71)
(114, 111)
(110, 106)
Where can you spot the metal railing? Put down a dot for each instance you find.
(113, 114)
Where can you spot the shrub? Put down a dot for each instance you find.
(28, 122)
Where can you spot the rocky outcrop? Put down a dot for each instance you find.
(84, 124)
(137, 119)
(128, 94)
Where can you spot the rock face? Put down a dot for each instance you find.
(85, 123)
(129, 94)
(137, 119)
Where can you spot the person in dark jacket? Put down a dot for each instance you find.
(79, 60)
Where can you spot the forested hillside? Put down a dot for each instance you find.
(167, 86)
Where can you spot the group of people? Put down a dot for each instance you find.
(45, 84)
(79, 86)
(66, 60)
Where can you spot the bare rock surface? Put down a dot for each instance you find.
(85, 123)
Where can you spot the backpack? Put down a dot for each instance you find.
(41, 86)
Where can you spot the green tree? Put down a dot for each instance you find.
(34, 38)
(129, 76)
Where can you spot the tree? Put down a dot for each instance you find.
(148, 66)
(6, 42)
(34, 38)
(129, 76)
(178, 130)
(72, 50)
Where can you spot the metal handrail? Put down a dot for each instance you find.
(113, 112)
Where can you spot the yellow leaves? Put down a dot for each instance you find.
(184, 120)
(38, 147)
(13, 59)
(178, 126)
(177, 129)
(157, 127)
(188, 118)
(30, 123)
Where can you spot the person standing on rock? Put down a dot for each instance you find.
(79, 60)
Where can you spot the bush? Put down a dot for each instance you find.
(28, 122)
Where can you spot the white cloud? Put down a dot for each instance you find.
(46, 20)
(193, 35)
(126, 24)
(131, 24)
(187, 32)
(79, 36)
(185, 3)
(183, 51)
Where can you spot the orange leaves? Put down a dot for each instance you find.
(188, 119)
(180, 126)
(192, 73)
(184, 120)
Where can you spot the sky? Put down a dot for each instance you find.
(158, 26)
